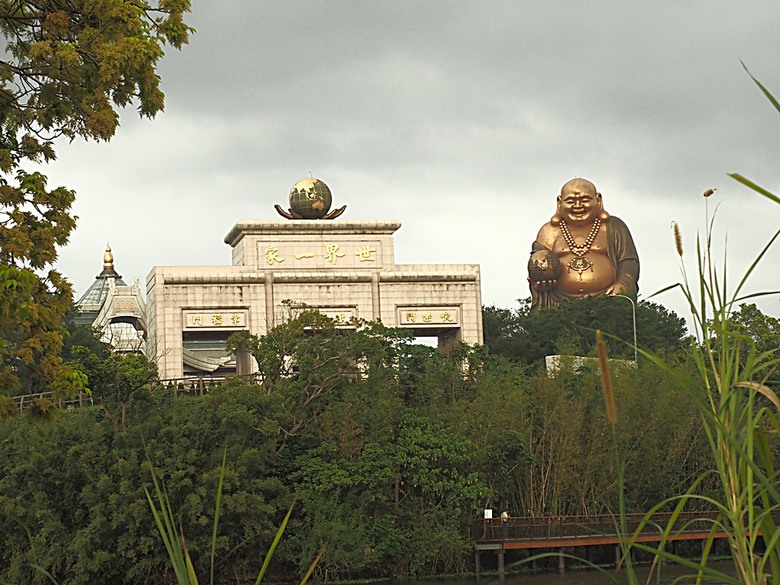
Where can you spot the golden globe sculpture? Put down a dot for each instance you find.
(544, 266)
(310, 198)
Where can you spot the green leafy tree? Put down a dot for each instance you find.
(760, 333)
(72, 493)
(30, 335)
(432, 379)
(301, 362)
(436, 482)
(501, 329)
(369, 505)
(528, 336)
(66, 69)
(763, 329)
(114, 379)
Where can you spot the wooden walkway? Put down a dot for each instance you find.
(557, 533)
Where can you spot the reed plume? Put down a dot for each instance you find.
(677, 239)
(606, 380)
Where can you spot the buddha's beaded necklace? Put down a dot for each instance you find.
(580, 249)
(579, 263)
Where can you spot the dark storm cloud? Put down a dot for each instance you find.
(402, 85)
(462, 119)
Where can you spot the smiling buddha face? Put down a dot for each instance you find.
(579, 203)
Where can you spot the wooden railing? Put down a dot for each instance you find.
(533, 532)
(82, 399)
(200, 385)
(188, 386)
(547, 527)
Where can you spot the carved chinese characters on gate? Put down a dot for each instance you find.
(227, 318)
(428, 316)
(307, 255)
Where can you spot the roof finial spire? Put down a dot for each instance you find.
(108, 258)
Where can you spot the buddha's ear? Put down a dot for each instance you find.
(555, 220)
(603, 215)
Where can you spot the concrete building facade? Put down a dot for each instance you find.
(343, 269)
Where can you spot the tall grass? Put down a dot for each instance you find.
(739, 411)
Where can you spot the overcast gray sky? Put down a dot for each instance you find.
(460, 119)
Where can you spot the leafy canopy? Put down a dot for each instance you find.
(66, 68)
(528, 336)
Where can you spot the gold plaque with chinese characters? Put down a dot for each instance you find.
(216, 319)
(429, 316)
(308, 255)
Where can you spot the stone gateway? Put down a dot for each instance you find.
(343, 269)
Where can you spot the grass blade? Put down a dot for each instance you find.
(193, 578)
(763, 89)
(277, 538)
(217, 508)
(755, 187)
(314, 563)
(755, 262)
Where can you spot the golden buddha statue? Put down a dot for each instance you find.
(582, 251)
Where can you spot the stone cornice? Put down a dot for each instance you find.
(320, 277)
(309, 227)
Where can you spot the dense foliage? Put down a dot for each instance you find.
(528, 336)
(393, 450)
(66, 69)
